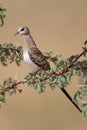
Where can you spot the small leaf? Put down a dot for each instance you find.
(2, 98)
(8, 81)
(84, 110)
(20, 90)
(85, 42)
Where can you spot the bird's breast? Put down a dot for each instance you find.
(27, 60)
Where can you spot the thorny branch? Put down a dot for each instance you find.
(69, 68)
(16, 83)
(71, 65)
(11, 53)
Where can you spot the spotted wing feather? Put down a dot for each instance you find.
(38, 58)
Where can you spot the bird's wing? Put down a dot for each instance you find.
(38, 58)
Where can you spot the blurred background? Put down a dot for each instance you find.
(56, 25)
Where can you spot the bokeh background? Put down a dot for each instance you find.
(56, 25)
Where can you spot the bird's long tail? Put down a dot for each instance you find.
(69, 97)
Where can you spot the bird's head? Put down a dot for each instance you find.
(23, 31)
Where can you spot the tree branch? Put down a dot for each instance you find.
(16, 83)
(71, 65)
(12, 86)
(69, 68)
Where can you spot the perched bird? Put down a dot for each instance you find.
(31, 54)
(34, 57)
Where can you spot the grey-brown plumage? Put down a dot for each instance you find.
(31, 54)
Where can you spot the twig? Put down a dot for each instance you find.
(71, 65)
(9, 48)
(55, 73)
(12, 86)
(65, 71)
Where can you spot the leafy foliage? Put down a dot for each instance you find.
(59, 76)
(10, 53)
(2, 14)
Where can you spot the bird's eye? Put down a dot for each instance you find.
(22, 29)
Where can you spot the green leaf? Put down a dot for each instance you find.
(19, 90)
(8, 81)
(84, 110)
(72, 58)
(2, 14)
(2, 98)
(85, 42)
(77, 97)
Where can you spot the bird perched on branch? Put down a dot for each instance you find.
(34, 57)
(31, 54)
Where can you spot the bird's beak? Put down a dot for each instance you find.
(16, 33)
